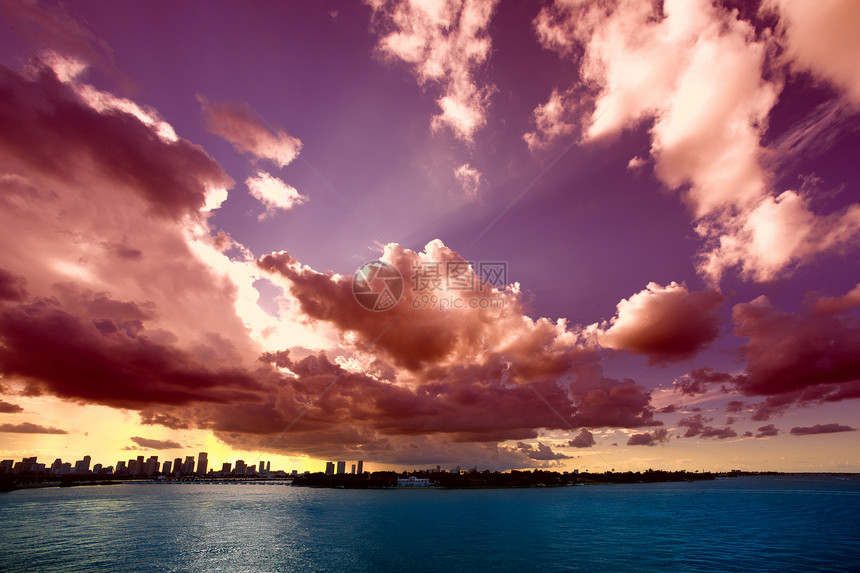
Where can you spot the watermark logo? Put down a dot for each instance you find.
(377, 286)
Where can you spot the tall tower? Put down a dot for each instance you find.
(360, 466)
(341, 467)
(329, 468)
(202, 463)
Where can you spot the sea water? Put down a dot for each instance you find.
(767, 523)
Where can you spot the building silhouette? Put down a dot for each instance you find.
(341, 467)
(81, 466)
(202, 463)
(329, 468)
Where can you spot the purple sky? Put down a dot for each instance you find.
(677, 185)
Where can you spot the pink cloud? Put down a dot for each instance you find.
(29, 428)
(55, 34)
(240, 125)
(821, 429)
(445, 43)
(664, 323)
(697, 427)
(150, 444)
(9, 408)
(49, 126)
(273, 193)
(801, 353)
(469, 178)
(648, 438)
(767, 431)
(584, 439)
(701, 76)
(541, 452)
(822, 38)
(697, 381)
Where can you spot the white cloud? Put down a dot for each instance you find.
(273, 193)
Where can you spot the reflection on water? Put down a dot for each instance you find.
(740, 524)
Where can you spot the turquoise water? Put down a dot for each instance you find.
(742, 524)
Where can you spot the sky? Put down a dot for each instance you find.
(616, 235)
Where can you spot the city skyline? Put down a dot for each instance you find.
(142, 465)
(544, 234)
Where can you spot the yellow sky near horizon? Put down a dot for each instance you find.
(105, 434)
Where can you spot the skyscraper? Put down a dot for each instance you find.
(361, 466)
(240, 468)
(341, 467)
(82, 466)
(329, 468)
(166, 467)
(202, 463)
(188, 466)
(177, 465)
(353, 468)
(150, 468)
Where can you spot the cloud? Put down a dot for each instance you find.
(811, 355)
(648, 438)
(497, 342)
(636, 162)
(541, 453)
(49, 126)
(584, 439)
(697, 381)
(767, 431)
(469, 178)
(667, 324)
(109, 275)
(697, 427)
(553, 119)
(29, 428)
(12, 287)
(837, 304)
(699, 75)
(9, 408)
(445, 43)
(109, 361)
(808, 357)
(150, 444)
(55, 34)
(823, 39)
(237, 123)
(115, 290)
(273, 193)
(821, 429)
(734, 406)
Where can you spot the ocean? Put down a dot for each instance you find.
(763, 523)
